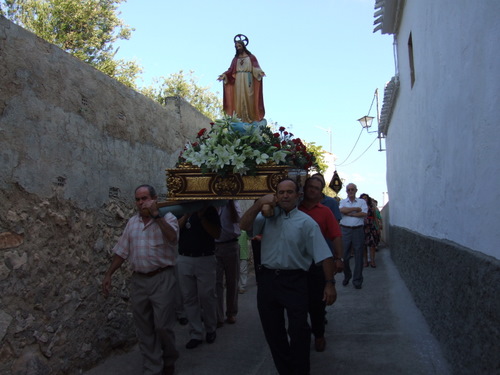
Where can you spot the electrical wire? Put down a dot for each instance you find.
(352, 162)
(353, 147)
(359, 136)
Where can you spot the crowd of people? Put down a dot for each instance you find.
(191, 269)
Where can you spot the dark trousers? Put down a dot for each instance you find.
(317, 307)
(277, 293)
(356, 238)
(228, 270)
(256, 257)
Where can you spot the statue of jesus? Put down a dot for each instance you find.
(242, 84)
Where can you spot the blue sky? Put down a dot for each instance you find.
(321, 58)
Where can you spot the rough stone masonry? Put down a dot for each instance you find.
(74, 144)
(53, 319)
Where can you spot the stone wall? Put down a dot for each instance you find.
(73, 146)
(434, 271)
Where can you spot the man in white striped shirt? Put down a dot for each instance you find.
(148, 243)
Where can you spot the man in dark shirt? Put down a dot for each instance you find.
(197, 267)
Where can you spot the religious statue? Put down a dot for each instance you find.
(242, 84)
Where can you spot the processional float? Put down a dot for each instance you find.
(238, 156)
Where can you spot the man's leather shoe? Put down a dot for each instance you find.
(231, 320)
(169, 370)
(211, 337)
(183, 321)
(320, 344)
(193, 343)
(346, 281)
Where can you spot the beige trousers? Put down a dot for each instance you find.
(153, 302)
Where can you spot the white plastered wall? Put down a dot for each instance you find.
(443, 144)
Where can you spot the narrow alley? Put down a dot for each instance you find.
(375, 330)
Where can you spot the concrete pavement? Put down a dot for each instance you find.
(374, 330)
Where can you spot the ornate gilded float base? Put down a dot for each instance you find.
(191, 184)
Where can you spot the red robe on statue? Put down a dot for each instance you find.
(245, 102)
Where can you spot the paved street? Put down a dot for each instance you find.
(375, 330)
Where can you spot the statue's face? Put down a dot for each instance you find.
(239, 46)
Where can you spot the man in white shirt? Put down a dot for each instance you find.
(148, 243)
(354, 211)
(291, 241)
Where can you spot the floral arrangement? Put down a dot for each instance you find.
(231, 146)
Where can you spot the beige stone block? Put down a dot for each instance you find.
(9, 240)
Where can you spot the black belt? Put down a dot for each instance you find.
(197, 255)
(152, 273)
(228, 241)
(347, 226)
(278, 272)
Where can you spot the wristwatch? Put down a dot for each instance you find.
(341, 259)
(330, 281)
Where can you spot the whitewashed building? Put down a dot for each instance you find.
(442, 136)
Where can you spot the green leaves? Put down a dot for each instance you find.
(186, 87)
(86, 29)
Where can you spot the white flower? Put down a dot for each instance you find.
(232, 146)
(279, 156)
